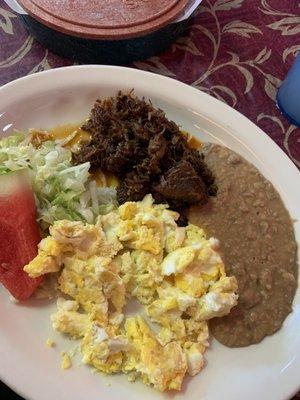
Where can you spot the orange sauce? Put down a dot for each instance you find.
(105, 179)
(77, 135)
(193, 142)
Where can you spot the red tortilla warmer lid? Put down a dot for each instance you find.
(105, 19)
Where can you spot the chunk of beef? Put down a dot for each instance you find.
(147, 152)
(181, 186)
(196, 159)
(133, 188)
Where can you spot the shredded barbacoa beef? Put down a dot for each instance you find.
(136, 142)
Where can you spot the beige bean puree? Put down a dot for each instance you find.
(258, 244)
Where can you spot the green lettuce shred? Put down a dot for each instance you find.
(62, 190)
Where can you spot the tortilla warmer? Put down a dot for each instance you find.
(105, 31)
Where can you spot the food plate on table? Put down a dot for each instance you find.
(179, 301)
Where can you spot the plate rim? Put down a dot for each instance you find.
(232, 116)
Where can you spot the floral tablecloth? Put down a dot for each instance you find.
(236, 50)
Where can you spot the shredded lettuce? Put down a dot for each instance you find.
(62, 190)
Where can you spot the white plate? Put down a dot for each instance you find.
(267, 371)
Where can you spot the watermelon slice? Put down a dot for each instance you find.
(19, 234)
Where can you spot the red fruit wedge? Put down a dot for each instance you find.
(19, 234)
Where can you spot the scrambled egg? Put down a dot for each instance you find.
(137, 251)
(50, 343)
(66, 362)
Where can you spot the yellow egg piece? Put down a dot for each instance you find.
(66, 362)
(136, 251)
(176, 261)
(192, 285)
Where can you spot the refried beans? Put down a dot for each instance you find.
(258, 244)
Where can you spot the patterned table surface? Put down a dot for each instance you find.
(236, 50)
